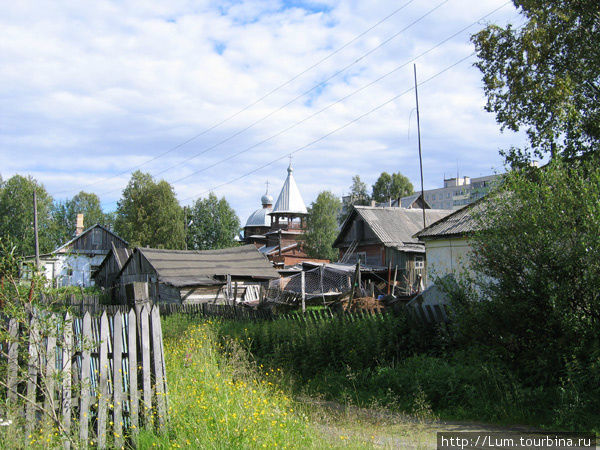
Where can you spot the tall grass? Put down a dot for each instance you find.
(218, 398)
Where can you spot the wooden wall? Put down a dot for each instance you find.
(96, 239)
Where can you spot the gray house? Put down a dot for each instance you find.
(189, 276)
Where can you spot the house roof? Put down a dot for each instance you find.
(182, 268)
(393, 227)
(289, 200)
(83, 233)
(411, 201)
(121, 255)
(460, 222)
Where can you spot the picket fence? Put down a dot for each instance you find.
(104, 375)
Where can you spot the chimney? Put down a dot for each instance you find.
(79, 225)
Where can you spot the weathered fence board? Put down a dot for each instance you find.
(100, 365)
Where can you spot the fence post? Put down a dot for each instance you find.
(13, 363)
(32, 372)
(84, 409)
(67, 358)
(303, 287)
(118, 379)
(102, 388)
(159, 367)
(133, 370)
(145, 343)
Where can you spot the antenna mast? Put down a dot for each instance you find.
(420, 157)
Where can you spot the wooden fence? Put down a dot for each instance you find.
(425, 313)
(102, 377)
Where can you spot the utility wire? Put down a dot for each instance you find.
(362, 88)
(255, 102)
(275, 111)
(347, 124)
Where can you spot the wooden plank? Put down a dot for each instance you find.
(102, 381)
(159, 368)
(67, 358)
(147, 386)
(50, 372)
(84, 407)
(13, 357)
(32, 373)
(132, 352)
(118, 380)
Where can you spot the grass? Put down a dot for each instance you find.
(219, 398)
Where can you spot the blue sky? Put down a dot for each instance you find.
(93, 91)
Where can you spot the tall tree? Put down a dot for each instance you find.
(148, 214)
(214, 224)
(358, 196)
(16, 215)
(545, 77)
(88, 204)
(389, 187)
(322, 226)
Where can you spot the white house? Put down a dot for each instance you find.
(72, 263)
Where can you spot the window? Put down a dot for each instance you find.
(419, 262)
(362, 257)
(448, 195)
(433, 197)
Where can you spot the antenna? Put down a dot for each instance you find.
(420, 157)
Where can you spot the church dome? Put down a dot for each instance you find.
(266, 200)
(260, 217)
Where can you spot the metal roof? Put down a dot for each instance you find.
(290, 200)
(205, 267)
(259, 218)
(459, 222)
(393, 227)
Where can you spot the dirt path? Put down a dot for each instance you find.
(381, 428)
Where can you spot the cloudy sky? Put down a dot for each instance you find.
(214, 95)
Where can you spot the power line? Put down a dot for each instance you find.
(275, 111)
(362, 88)
(347, 124)
(255, 102)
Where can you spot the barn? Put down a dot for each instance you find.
(189, 276)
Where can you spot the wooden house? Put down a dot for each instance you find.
(107, 273)
(73, 263)
(447, 243)
(189, 276)
(384, 237)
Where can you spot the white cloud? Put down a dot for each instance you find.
(94, 89)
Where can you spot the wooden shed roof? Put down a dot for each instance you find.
(182, 268)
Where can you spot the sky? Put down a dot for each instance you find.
(213, 96)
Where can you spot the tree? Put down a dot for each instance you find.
(214, 224)
(388, 187)
(16, 215)
(545, 77)
(358, 196)
(537, 261)
(65, 213)
(148, 214)
(321, 226)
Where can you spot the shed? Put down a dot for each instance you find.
(197, 276)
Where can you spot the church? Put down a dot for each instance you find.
(277, 230)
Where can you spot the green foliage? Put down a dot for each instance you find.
(65, 214)
(358, 196)
(544, 76)
(539, 257)
(322, 226)
(16, 215)
(149, 214)
(389, 187)
(218, 398)
(214, 224)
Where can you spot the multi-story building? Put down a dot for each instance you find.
(458, 192)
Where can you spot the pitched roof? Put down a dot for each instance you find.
(393, 227)
(204, 267)
(458, 223)
(412, 201)
(83, 233)
(290, 200)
